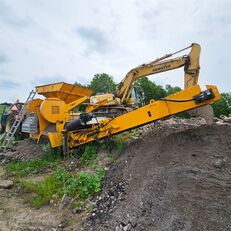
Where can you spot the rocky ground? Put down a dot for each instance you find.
(23, 150)
(172, 175)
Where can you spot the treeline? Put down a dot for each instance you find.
(146, 90)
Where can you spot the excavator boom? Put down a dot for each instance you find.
(190, 62)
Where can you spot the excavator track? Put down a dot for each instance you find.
(112, 111)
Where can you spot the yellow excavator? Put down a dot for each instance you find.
(52, 120)
(121, 101)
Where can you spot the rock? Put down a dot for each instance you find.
(226, 118)
(6, 184)
(217, 156)
(219, 163)
(2, 156)
(2, 172)
(77, 210)
(220, 123)
(117, 228)
(1, 212)
(127, 227)
(64, 202)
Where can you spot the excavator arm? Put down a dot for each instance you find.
(190, 63)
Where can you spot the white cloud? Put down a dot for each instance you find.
(43, 41)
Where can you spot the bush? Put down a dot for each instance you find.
(82, 185)
(223, 106)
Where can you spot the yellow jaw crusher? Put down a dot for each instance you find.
(52, 119)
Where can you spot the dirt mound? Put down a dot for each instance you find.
(24, 150)
(174, 178)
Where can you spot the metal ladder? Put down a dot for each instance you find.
(9, 135)
(2, 136)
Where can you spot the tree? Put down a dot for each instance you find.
(171, 90)
(223, 106)
(102, 83)
(78, 84)
(147, 90)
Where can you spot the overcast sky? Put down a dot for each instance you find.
(46, 41)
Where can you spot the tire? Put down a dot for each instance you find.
(44, 140)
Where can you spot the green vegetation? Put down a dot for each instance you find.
(102, 83)
(101, 172)
(171, 90)
(147, 90)
(79, 186)
(61, 181)
(23, 168)
(119, 145)
(1, 109)
(223, 106)
(89, 155)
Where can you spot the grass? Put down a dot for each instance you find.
(23, 168)
(101, 172)
(79, 186)
(89, 155)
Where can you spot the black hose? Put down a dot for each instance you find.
(177, 101)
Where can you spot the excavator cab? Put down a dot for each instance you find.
(134, 100)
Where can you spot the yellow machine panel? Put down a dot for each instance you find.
(54, 115)
(64, 91)
(53, 109)
(181, 101)
(32, 106)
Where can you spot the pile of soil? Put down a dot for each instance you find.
(172, 178)
(26, 149)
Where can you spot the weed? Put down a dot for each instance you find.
(82, 185)
(89, 155)
(41, 192)
(79, 185)
(51, 153)
(22, 168)
(101, 172)
(119, 146)
(110, 157)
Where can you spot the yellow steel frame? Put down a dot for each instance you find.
(153, 111)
